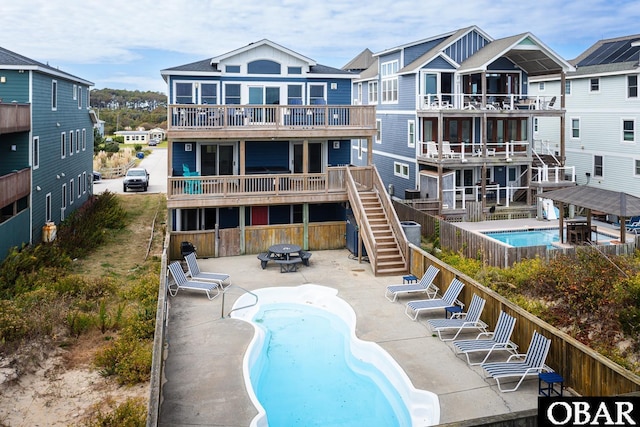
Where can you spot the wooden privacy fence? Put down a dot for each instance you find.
(257, 238)
(584, 370)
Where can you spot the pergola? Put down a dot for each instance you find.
(596, 199)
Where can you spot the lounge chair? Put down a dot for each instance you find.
(499, 340)
(180, 281)
(448, 152)
(461, 321)
(424, 285)
(195, 274)
(532, 365)
(449, 299)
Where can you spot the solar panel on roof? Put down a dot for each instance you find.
(612, 52)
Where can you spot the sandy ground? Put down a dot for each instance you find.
(61, 390)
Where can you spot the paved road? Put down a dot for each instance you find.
(156, 165)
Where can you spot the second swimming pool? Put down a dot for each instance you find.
(538, 237)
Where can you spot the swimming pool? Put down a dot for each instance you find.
(537, 237)
(306, 367)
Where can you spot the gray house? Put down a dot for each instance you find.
(46, 140)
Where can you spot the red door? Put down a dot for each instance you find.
(260, 215)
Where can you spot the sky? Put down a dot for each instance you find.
(123, 44)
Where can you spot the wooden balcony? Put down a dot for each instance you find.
(251, 190)
(14, 186)
(14, 117)
(270, 121)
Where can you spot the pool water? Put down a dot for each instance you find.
(537, 237)
(307, 376)
(305, 366)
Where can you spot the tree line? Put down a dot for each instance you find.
(125, 109)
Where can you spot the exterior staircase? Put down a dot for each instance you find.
(378, 225)
(389, 259)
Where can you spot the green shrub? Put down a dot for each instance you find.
(127, 359)
(111, 147)
(13, 325)
(137, 147)
(131, 413)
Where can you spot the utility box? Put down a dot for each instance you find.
(413, 231)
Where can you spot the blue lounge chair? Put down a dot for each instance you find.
(532, 365)
(488, 342)
(180, 281)
(449, 299)
(424, 285)
(461, 321)
(193, 271)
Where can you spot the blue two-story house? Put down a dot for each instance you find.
(259, 153)
(455, 122)
(46, 140)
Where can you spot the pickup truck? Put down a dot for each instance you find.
(136, 178)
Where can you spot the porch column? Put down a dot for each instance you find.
(305, 223)
(483, 186)
(561, 222)
(241, 215)
(440, 138)
(369, 151)
(483, 79)
(305, 156)
(242, 155)
(562, 118)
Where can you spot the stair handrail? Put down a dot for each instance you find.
(362, 221)
(392, 216)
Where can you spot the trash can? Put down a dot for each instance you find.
(140, 155)
(413, 231)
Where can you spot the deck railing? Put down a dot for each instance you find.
(14, 186)
(14, 117)
(210, 117)
(491, 102)
(465, 151)
(257, 185)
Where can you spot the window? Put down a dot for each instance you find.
(232, 94)
(63, 145)
(575, 128)
(294, 70)
(316, 94)
(389, 82)
(184, 93)
(535, 124)
(209, 93)
(567, 87)
(594, 85)
(359, 94)
(401, 170)
(84, 182)
(541, 86)
(637, 169)
(71, 143)
(71, 186)
(77, 140)
(411, 133)
(79, 186)
(598, 169)
(373, 92)
(632, 86)
(628, 130)
(378, 131)
(63, 202)
(232, 69)
(294, 94)
(79, 97)
(47, 208)
(36, 153)
(75, 91)
(54, 95)
(84, 139)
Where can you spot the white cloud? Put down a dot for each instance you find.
(116, 33)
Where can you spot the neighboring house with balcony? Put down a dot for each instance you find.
(46, 140)
(455, 121)
(602, 129)
(259, 152)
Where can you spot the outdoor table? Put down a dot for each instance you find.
(284, 250)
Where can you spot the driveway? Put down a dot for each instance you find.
(156, 165)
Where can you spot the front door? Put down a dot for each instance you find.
(260, 215)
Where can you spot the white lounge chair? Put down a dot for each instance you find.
(180, 281)
(449, 299)
(424, 285)
(461, 321)
(195, 274)
(448, 152)
(498, 340)
(532, 365)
